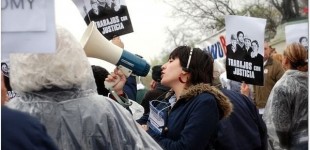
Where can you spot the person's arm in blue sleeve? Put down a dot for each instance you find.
(130, 88)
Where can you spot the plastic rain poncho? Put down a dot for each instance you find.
(82, 120)
(75, 116)
(286, 111)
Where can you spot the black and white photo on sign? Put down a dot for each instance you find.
(245, 49)
(297, 33)
(5, 70)
(110, 16)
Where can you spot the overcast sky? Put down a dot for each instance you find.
(148, 17)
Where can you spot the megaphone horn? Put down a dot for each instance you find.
(97, 46)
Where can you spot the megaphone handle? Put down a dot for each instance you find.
(109, 85)
(124, 102)
(125, 70)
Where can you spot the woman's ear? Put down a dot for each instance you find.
(183, 77)
(184, 72)
(285, 62)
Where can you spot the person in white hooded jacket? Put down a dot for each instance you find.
(59, 89)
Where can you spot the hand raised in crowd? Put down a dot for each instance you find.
(118, 42)
(118, 79)
(245, 89)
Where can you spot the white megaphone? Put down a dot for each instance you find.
(97, 46)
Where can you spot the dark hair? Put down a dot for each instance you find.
(201, 64)
(156, 73)
(239, 32)
(301, 38)
(100, 74)
(254, 41)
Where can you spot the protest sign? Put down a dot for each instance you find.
(297, 33)
(111, 16)
(245, 49)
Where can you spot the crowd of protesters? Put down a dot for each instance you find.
(62, 103)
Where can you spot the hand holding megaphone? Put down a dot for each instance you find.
(116, 81)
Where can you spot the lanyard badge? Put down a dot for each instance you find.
(158, 115)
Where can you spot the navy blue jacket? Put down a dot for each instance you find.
(20, 131)
(244, 129)
(193, 119)
(130, 88)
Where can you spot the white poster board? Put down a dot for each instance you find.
(245, 49)
(297, 33)
(27, 27)
(110, 16)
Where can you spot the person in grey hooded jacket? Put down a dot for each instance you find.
(59, 89)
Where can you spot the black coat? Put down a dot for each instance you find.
(244, 129)
(238, 54)
(20, 131)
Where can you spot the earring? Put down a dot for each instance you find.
(180, 79)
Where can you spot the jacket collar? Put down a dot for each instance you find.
(222, 101)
